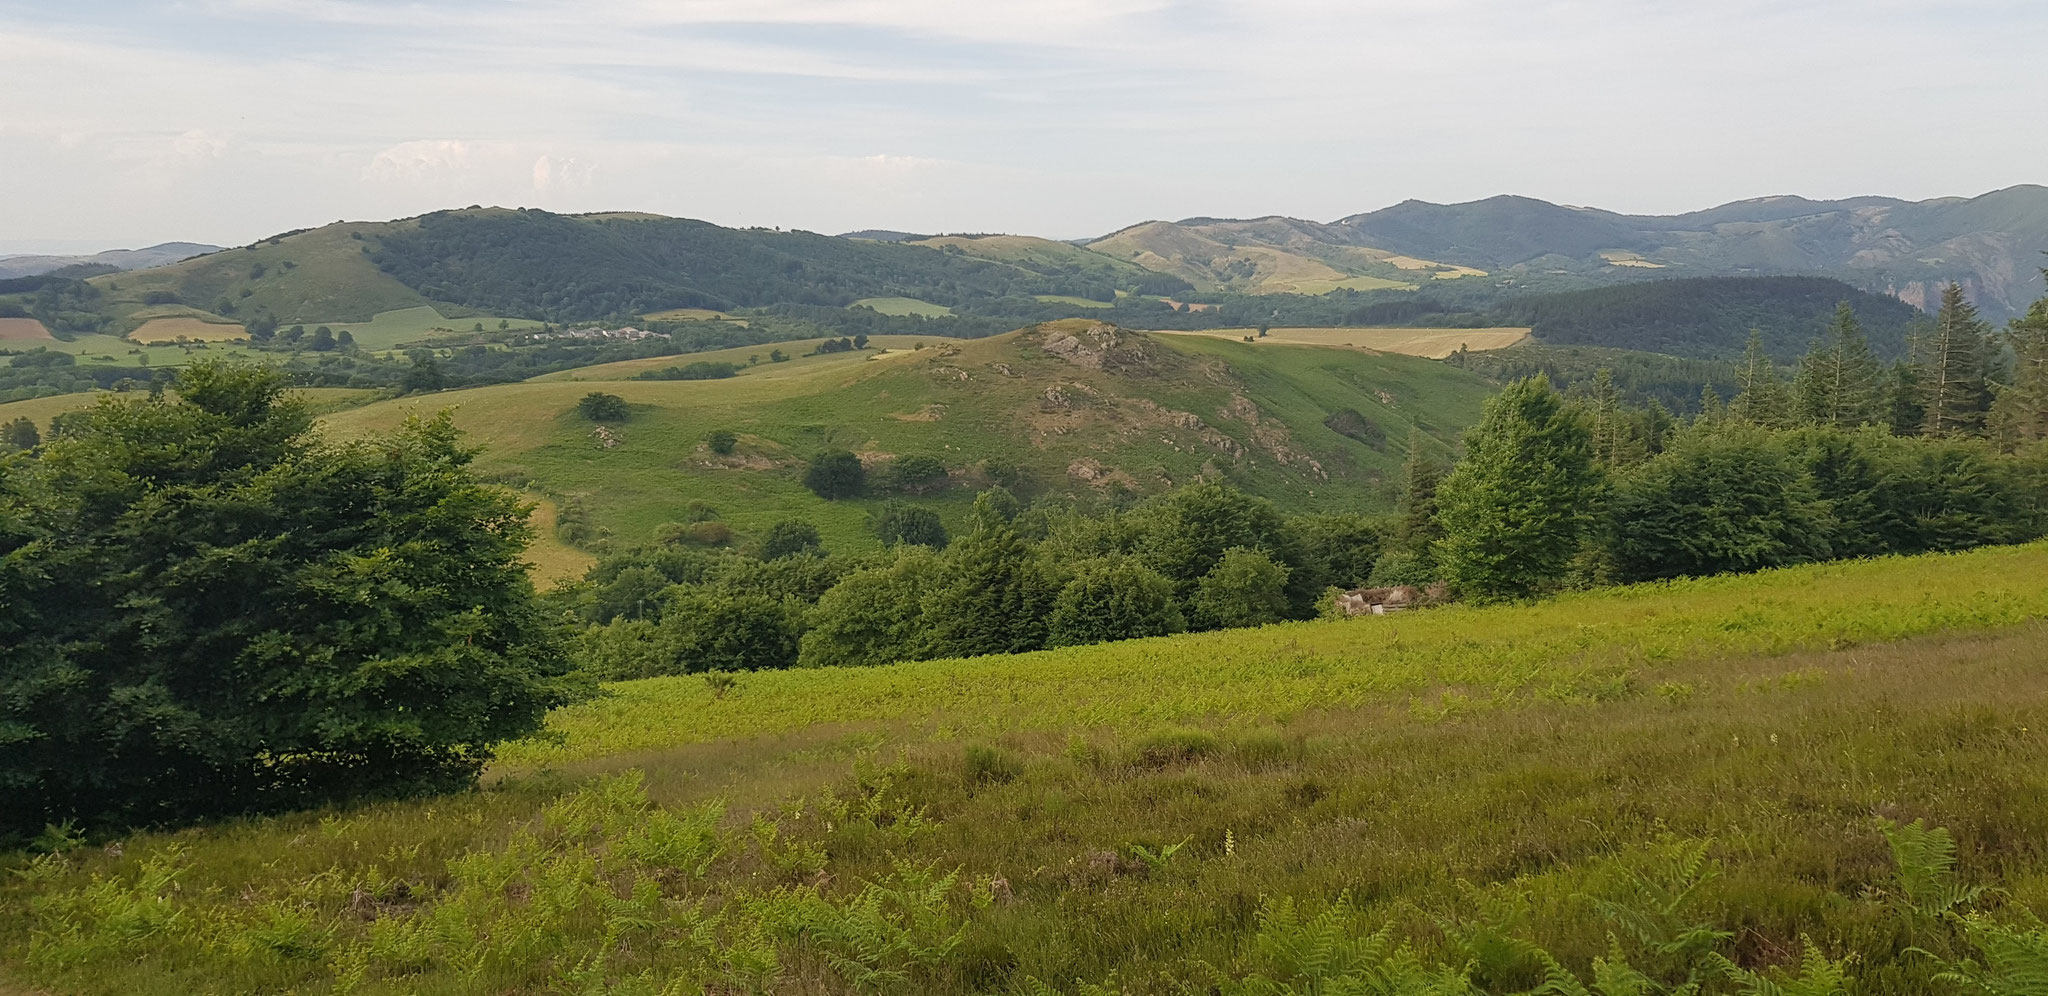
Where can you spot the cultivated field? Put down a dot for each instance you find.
(390, 329)
(23, 330)
(903, 307)
(1735, 780)
(1078, 302)
(319, 400)
(1431, 343)
(163, 330)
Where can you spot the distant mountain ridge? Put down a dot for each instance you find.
(30, 265)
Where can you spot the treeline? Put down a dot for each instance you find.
(1708, 317)
(548, 266)
(1202, 557)
(1643, 379)
(1945, 450)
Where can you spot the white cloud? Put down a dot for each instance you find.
(227, 119)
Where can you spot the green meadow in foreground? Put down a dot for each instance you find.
(1809, 781)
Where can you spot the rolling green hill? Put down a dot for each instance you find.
(1070, 407)
(1266, 256)
(1828, 773)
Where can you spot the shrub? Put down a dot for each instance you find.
(917, 472)
(722, 441)
(899, 523)
(1246, 588)
(707, 630)
(1113, 600)
(788, 537)
(875, 616)
(836, 474)
(598, 406)
(700, 370)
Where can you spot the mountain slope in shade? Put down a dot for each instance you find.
(119, 259)
(1992, 243)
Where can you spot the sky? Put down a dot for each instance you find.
(223, 121)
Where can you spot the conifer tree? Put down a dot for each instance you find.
(1607, 417)
(1421, 477)
(1518, 507)
(2020, 413)
(1763, 399)
(1955, 395)
(1839, 382)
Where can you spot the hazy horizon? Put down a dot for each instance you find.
(224, 121)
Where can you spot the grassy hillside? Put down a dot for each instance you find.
(1070, 407)
(322, 275)
(1432, 343)
(1266, 256)
(1041, 256)
(1470, 800)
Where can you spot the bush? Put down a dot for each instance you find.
(722, 441)
(836, 474)
(917, 473)
(788, 537)
(899, 523)
(875, 616)
(700, 370)
(710, 533)
(1113, 600)
(187, 630)
(707, 630)
(598, 406)
(1246, 588)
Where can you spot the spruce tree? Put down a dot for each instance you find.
(2020, 414)
(1763, 399)
(1955, 395)
(1421, 478)
(1518, 507)
(1839, 381)
(1607, 417)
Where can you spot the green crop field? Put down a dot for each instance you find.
(320, 400)
(1078, 302)
(1819, 780)
(1194, 406)
(390, 329)
(903, 306)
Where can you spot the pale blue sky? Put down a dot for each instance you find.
(125, 123)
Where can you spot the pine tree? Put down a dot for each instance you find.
(1518, 507)
(1607, 417)
(1839, 381)
(2020, 414)
(1711, 408)
(1763, 399)
(1952, 373)
(1421, 477)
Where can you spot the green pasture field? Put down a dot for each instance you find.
(1078, 302)
(391, 329)
(1806, 782)
(903, 307)
(319, 400)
